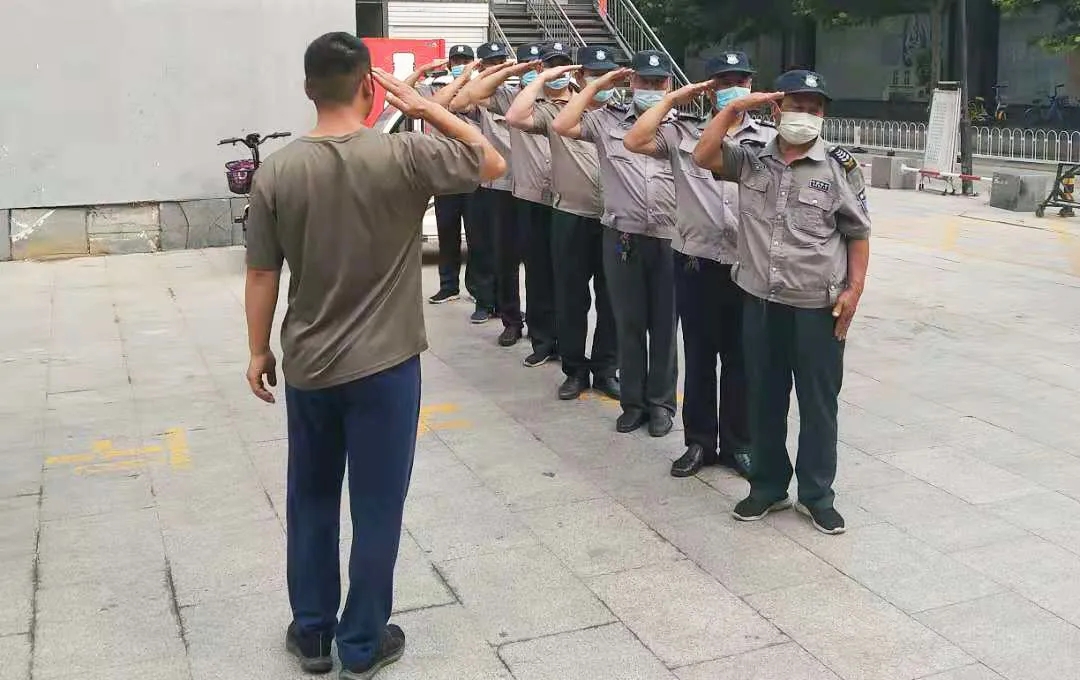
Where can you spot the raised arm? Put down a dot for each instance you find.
(710, 151)
(408, 101)
(643, 136)
(444, 96)
(568, 122)
(422, 71)
(521, 113)
(479, 91)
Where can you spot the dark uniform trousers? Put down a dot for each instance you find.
(509, 252)
(577, 245)
(480, 226)
(640, 271)
(535, 220)
(451, 213)
(710, 308)
(781, 342)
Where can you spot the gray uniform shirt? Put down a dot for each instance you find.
(638, 191)
(494, 127)
(575, 167)
(707, 223)
(796, 221)
(530, 155)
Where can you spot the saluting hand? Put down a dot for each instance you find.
(519, 69)
(556, 72)
(844, 311)
(755, 100)
(688, 93)
(434, 66)
(610, 78)
(401, 96)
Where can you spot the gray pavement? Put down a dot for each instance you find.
(142, 488)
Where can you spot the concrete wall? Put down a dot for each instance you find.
(49, 233)
(876, 62)
(457, 22)
(124, 101)
(1031, 71)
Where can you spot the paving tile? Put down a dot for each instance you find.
(682, 614)
(1012, 636)
(211, 563)
(18, 525)
(16, 593)
(788, 661)
(1050, 515)
(976, 672)
(522, 594)
(453, 525)
(855, 633)
(598, 537)
(82, 549)
(444, 643)
(746, 558)
(961, 474)
(175, 668)
(905, 572)
(528, 485)
(858, 470)
(658, 509)
(240, 638)
(14, 657)
(604, 653)
(417, 585)
(67, 493)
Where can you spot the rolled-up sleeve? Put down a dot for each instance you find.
(262, 243)
(437, 166)
(734, 159)
(591, 125)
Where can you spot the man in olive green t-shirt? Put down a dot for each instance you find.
(343, 206)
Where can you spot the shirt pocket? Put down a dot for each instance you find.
(812, 216)
(753, 194)
(686, 158)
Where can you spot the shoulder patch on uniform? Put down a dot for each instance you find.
(766, 123)
(687, 115)
(752, 142)
(820, 185)
(844, 158)
(861, 196)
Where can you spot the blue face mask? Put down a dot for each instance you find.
(725, 97)
(646, 99)
(558, 83)
(528, 78)
(602, 95)
(457, 70)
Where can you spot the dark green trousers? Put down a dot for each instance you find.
(783, 346)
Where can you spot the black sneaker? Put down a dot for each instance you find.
(443, 296)
(737, 461)
(312, 649)
(538, 358)
(509, 337)
(481, 315)
(391, 647)
(572, 387)
(751, 509)
(826, 520)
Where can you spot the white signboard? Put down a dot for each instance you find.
(943, 132)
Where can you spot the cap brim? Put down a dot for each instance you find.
(653, 72)
(600, 66)
(809, 90)
(734, 69)
(558, 55)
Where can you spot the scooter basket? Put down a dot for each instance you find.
(239, 175)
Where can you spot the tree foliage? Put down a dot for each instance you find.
(1066, 35)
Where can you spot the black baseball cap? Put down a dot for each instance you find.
(802, 82)
(465, 51)
(491, 51)
(652, 64)
(530, 52)
(556, 50)
(730, 62)
(597, 58)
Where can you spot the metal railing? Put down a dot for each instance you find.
(1021, 145)
(634, 34)
(555, 23)
(496, 34)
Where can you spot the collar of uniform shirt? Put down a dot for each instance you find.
(814, 153)
(632, 113)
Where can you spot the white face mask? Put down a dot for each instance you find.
(799, 128)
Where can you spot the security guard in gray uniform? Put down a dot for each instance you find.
(577, 237)
(803, 252)
(639, 216)
(708, 301)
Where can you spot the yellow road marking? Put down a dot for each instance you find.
(1071, 243)
(104, 456)
(430, 419)
(951, 235)
(176, 443)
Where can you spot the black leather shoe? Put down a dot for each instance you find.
(510, 336)
(572, 387)
(691, 462)
(660, 422)
(609, 387)
(737, 461)
(630, 420)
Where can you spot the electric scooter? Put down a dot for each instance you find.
(240, 173)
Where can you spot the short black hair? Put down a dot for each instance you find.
(334, 66)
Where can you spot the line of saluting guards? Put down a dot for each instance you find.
(754, 235)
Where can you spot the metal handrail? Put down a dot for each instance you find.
(555, 23)
(634, 34)
(495, 32)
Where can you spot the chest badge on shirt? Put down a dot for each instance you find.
(820, 185)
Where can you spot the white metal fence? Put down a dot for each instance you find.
(1012, 144)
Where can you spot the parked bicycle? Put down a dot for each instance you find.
(978, 114)
(1050, 111)
(1000, 113)
(240, 173)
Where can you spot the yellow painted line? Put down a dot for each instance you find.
(450, 425)
(951, 235)
(114, 466)
(176, 443)
(437, 408)
(71, 459)
(1071, 243)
